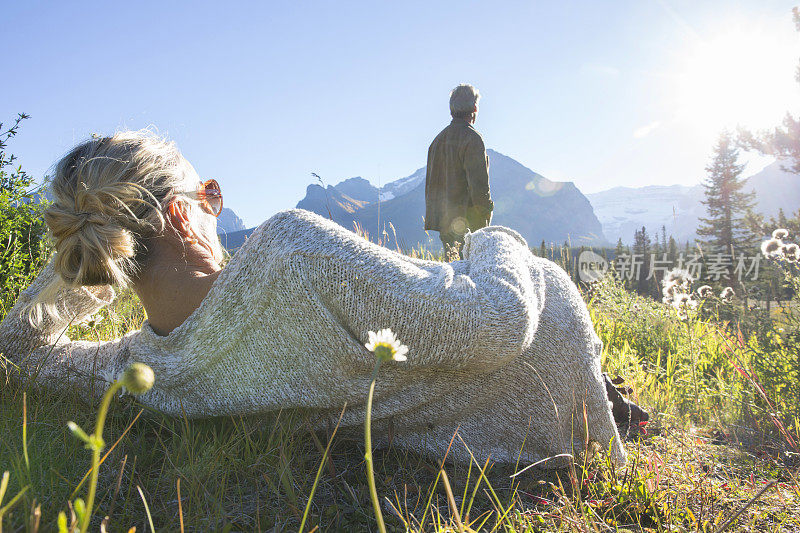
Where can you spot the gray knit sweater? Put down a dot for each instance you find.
(501, 345)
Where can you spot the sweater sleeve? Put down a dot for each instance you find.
(44, 352)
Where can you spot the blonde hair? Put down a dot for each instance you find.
(108, 195)
(463, 100)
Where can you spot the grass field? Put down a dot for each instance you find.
(719, 454)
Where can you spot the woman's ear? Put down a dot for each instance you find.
(178, 218)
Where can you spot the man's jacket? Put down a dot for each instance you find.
(457, 181)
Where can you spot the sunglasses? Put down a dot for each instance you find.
(209, 195)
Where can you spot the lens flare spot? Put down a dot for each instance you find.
(459, 225)
(544, 187)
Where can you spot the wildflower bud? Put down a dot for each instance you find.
(80, 508)
(138, 378)
(77, 431)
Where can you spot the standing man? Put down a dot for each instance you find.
(457, 195)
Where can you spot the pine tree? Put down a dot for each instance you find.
(620, 249)
(672, 250)
(641, 251)
(763, 226)
(726, 202)
(658, 248)
(543, 249)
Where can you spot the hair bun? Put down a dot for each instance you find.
(91, 248)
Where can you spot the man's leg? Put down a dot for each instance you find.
(452, 243)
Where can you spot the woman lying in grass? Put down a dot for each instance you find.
(501, 346)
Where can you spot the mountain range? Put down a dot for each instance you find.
(623, 210)
(540, 209)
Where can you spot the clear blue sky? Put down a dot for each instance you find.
(261, 94)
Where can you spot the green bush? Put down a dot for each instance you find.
(23, 248)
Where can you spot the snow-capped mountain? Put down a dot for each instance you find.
(623, 210)
(402, 186)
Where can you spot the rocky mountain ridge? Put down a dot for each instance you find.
(540, 209)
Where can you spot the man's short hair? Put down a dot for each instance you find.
(463, 100)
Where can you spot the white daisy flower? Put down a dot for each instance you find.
(385, 346)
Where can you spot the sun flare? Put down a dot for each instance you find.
(739, 76)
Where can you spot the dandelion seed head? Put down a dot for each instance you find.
(705, 291)
(679, 276)
(727, 293)
(682, 300)
(780, 233)
(669, 290)
(791, 252)
(771, 247)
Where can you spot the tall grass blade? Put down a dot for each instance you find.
(25, 431)
(319, 470)
(146, 509)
